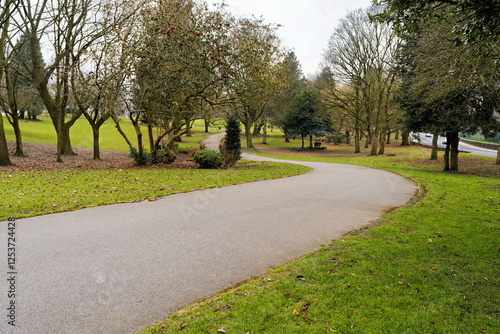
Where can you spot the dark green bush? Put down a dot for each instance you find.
(208, 159)
(140, 159)
(232, 142)
(145, 157)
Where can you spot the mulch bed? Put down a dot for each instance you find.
(42, 157)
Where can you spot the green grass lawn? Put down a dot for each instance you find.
(429, 267)
(432, 266)
(34, 193)
(42, 131)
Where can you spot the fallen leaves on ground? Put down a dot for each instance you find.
(42, 157)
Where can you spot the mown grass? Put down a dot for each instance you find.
(26, 194)
(429, 267)
(42, 132)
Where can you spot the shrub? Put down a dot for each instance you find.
(182, 149)
(140, 159)
(228, 158)
(232, 141)
(208, 158)
(145, 157)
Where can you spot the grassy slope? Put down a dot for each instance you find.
(430, 267)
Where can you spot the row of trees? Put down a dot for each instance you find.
(433, 70)
(163, 63)
(448, 67)
(167, 63)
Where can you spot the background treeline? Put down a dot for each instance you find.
(165, 64)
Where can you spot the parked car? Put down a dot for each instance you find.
(428, 135)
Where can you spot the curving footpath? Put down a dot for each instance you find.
(119, 268)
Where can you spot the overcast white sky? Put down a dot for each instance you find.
(307, 24)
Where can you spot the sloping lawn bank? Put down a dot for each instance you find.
(432, 266)
(26, 194)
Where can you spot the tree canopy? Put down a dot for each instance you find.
(479, 19)
(306, 116)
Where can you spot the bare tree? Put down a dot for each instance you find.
(64, 31)
(359, 57)
(6, 9)
(100, 80)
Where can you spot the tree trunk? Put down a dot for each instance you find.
(388, 140)
(374, 143)
(66, 140)
(336, 137)
(19, 140)
(95, 133)
(447, 154)
(138, 132)
(15, 113)
(454, 138)
(498, 154)
(311, 142)
(248, 135)
(287, 140)
(347, 137)
(396, 136)
(264, 131)
(302, 136)
(151, 141)
(368, 139)
(257, 126)
(434, 153)
(404, 138)
(59, 140)
(4, 151)
(357, 134)
(383, 135)
(119, 128)
(188, 127)
(207, 123)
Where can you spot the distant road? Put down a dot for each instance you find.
(462, 146)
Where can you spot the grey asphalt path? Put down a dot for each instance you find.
(119, 268)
